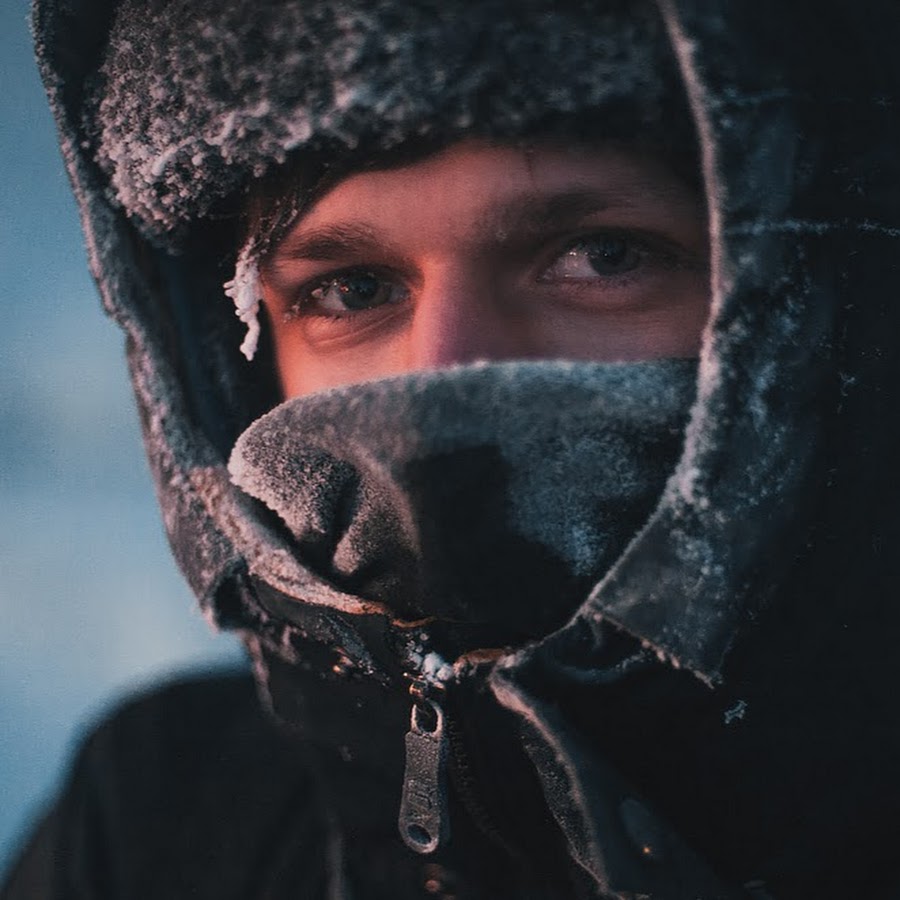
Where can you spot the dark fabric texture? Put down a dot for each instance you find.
(190, 791)
(403, 492)
(186, 792)
(718, 717)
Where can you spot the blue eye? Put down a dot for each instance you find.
(593, 257)
(610, 255)
(353, 291)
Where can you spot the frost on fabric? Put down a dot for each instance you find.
(735, 713)
(430, 667)
(616, 450)
(265, 551)
(244, 289)
(404, 491)
(187, 109)
(697, 571)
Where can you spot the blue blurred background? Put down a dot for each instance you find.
(91, 606)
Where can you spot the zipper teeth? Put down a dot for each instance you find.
(466, 783)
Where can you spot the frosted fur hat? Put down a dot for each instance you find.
(184, 116)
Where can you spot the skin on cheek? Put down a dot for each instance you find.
(306, 366)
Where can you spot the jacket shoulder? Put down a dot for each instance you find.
(184, 790)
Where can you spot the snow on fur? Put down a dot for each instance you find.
(184, 113)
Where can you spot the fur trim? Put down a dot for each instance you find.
(189, 106)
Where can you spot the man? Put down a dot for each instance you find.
(538, 611)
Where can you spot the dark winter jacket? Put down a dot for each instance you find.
(716, 718)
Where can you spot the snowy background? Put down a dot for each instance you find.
(90, 603)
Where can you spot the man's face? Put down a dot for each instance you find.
(485, 252)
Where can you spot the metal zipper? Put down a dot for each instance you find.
(423, 820)
(433, 743)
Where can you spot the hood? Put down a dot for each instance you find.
(761, 583)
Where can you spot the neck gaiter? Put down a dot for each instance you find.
(493, 495)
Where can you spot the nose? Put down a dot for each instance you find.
(460, 318)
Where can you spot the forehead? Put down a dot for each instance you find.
(475, 185)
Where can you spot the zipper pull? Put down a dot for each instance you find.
(423, 804)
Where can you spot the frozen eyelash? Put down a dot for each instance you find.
(245, 291)
(293, 312)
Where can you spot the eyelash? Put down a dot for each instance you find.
(653, 248)
(644, 248)
(305, 300)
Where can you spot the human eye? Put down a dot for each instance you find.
(610, 255)
(344, 293)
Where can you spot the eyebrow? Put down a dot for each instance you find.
(328, 242)
(524, 214)
(537, 212)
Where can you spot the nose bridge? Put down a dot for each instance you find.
(459, 318)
